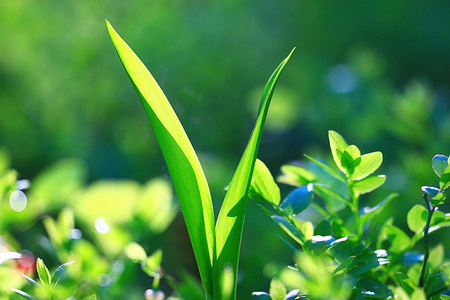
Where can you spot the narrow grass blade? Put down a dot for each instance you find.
(231, 216)
(187, 175)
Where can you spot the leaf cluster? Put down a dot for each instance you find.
(346, 253)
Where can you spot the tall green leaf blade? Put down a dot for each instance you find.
(187, 175)
(231, 216)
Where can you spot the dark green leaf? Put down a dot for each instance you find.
(370, 288)
(323, 228)
(263, 186)
(406, 283)
(298, 200)
(293, 249)
(347, 263)
(367, 184)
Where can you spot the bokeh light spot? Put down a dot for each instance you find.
(18, 201)
(101, 226)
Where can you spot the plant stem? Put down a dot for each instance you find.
(431, 210)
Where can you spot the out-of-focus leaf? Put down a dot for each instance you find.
(418, 294)
(23, 294)
(135, 252)
(406, 283)
(298, 200)
(323, 228)
(338, 146)
(43, 272)
(369, 163)
(347, 263)
(277, 289)
(398, 238)
(439, 164)
(263, 186)
(61, 272)
(295, 175)
(370, 288)
(155, 205)
(91, 297)
(153, 263)
(367, 184)
(417, 218)
(436, 257)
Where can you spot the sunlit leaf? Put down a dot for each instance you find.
(398, 238)
(350, 159)
(91, 297)
(444, 182)
(367, 184)
(153, 263)
(369, 163)
(417, 218)
(135, 252)
(263, 186)
(338, 146)
(230, 221)
(43, 272)
(277, 289)
(418, 294)
(184, 167)
(298, 200)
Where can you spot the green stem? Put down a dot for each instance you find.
(431, 210)
(355, 211)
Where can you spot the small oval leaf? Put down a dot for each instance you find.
(370, 162)
(368, 184)
(439, 163)
(417, 218)
(277, 289)
(298, 200)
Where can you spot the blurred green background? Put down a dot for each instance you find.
(375, 72)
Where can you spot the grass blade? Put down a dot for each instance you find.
(187, 174)
(231, 216)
